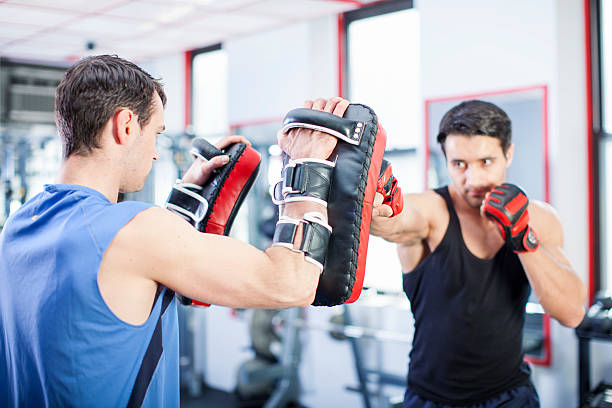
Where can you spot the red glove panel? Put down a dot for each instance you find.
(389, 188)
(507, 206)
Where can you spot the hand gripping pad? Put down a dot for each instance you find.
(225, 190)
(228, 185)
(351, 197)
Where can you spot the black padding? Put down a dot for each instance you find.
(344, 209)
(348, 130)
(205, 148)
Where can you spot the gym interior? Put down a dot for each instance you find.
(237, 66)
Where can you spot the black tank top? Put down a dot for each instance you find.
(469, 316)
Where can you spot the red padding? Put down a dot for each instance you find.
(366, 212)
(231, 190)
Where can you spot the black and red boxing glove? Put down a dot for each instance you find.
(507, 206)
(389, 188)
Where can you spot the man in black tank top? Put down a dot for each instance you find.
(470, 253)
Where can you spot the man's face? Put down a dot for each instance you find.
(142, 151)
(476, 164)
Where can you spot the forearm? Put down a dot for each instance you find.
(557, 287)
(408, 227)
(280, 277)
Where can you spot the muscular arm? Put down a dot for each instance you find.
(158, 246)
(552, 278)
(214, 268)
(409, 227)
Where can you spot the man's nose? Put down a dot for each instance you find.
(476, 177)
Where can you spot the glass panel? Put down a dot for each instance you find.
(605, 201)
(393, 66)
(606, 64)
(371, 75)
(210, 94)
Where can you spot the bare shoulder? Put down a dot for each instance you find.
(545, 221)
(427, 201)
(150, 236)
(430, 204)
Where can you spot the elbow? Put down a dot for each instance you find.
(574, 316)
(303, 289)
(295, 294)
(573, 319)
(295, 283)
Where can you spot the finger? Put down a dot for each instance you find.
(308, 104)
(319, 104)
(331, 104)
(207, 167)
(218, 161)
(378, 199)
(341, 107)
(385, 211)
(228, 140)
(280, 136)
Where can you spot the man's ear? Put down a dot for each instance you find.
(509, 155)
(123, 125)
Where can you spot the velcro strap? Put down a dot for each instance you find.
(185, 200)
(315, 236)
(347, 130)
(304, 180)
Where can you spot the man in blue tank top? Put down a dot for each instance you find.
(469, 253)
(87, 310)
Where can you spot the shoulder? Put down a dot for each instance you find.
(432, 208)
(150, 235)
(427, 202)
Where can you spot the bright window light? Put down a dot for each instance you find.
(210, 103)
(383, 73)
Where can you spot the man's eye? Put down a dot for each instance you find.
(487, 162)
(460, 165)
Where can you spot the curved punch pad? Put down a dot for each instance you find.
(358, 157)
(227, 186)
(225, 190)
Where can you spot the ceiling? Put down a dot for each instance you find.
(60, 30)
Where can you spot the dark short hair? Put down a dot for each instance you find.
(472, 118)
(91, 92)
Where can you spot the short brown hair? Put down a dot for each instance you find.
(90, 93)
(473, 118)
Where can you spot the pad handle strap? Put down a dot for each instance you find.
(185, 200)
(304, 180)
(315, 236)
(347, 130)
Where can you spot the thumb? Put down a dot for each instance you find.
(207, 167)
(384, 211)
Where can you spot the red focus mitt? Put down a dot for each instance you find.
(212, 207)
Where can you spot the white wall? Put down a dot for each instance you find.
(477, 46)
(467, 47)
(273, 72)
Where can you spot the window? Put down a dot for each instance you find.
(210, 105)
(383, 73)
(601, 66)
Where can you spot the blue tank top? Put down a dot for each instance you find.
(469, 316)
(60, 343)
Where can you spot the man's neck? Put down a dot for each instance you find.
(94, 171)
(461, 206)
